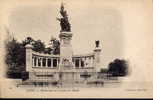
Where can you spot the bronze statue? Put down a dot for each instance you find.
(97, 43)
(64, 22)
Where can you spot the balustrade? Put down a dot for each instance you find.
(83, 61)
(40, 61)
(45, 62)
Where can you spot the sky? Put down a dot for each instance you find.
(123, 28)
(89, 22)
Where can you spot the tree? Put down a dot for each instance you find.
(48, 50)
(15, 58)
(15, 55)
(103, 70)
(55, 46)
(38, 46)
(118, 68)
(16, 52)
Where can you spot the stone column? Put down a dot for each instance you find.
(41, 62)
(51, 62)
(97, 52)
(57, 62)
(79, 62)
(91, 62)
(28, 57)
(36, 62)
(33, 62)
(74, 62)
(46, 62)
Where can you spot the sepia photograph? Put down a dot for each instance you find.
(76, 49)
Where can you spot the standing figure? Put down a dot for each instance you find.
(64, 22)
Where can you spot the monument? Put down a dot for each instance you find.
(64, 68)
(65, 36)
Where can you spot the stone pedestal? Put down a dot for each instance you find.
(97, 60)
(66, 51)
(28, 57)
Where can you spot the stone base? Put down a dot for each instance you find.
(61, 77)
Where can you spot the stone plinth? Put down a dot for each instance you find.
(97, 60)
(66, 51)
(28, 57)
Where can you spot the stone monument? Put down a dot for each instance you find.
(65, 36)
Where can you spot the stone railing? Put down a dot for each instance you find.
(44, 60)
(83, 61)
(35, 60)
(38, 61)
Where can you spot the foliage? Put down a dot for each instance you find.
(118, 68)
(103, 70)
(15, 56)
(55, 46)
(38, 46)
(48, 50)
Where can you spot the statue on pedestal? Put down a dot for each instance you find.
(97, 43)
(64, 22)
